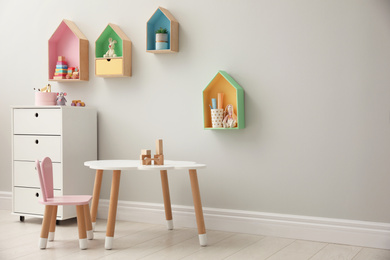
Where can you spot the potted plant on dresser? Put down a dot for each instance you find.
(162, 39)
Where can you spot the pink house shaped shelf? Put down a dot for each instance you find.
(70, 42)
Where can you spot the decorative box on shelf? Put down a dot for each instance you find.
(68, 47)
(162, 18)
(113, 53)
(233, 98)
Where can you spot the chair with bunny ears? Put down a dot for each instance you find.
(45, 172)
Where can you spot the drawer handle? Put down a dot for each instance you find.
(37, 194)
(36, 114)
(36, 141)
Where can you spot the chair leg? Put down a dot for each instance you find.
(81, 226)
(88, 222)
(53, 220)
(45, 227)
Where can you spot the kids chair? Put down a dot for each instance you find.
(45, 172)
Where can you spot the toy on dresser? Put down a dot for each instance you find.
(61, 100)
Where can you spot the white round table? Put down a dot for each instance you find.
(123, 165)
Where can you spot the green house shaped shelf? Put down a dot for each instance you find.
(119, 66)
(162, 18)
(233, 94)
(70, 42)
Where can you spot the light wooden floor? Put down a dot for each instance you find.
(19, 240)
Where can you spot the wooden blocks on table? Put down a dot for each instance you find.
(146, 155)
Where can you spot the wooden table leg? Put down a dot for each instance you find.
(116, 175)
(167, 198)
(198, 207)
(95, 196)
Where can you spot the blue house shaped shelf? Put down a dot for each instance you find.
(162, 18)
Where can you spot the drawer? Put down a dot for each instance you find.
(37, 121)
(30, 147)
(25, 175)
(26, 201)
(113, 66)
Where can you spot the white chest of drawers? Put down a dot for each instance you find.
(68, 135)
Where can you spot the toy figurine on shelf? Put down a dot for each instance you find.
(230, 120)
(76, 73)
(111, 49)
(61, 100)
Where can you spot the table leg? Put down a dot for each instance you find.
(167, 198)
(95, 196)
(198, 207)
(116, 175)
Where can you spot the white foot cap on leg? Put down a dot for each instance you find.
(83, 243)
(203, 239)
(51, 236)
(90, 234)
(108, 243)
(93, 226)
(170, 224)
(42, 243)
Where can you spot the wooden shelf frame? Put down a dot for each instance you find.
(119, 66)
(69, 41)
(233, 94)
(162, 18)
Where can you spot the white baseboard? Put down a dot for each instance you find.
(340, 231)
(5, 200)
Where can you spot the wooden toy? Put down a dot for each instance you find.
(77, 103)
(61, 68)
(146, 157)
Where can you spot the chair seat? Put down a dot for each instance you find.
(67, 200)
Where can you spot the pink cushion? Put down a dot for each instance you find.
(67, 200)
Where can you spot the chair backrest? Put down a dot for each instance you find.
(45, 173)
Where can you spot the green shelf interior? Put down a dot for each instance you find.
(101, 45)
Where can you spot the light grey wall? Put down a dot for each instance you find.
(316, 76)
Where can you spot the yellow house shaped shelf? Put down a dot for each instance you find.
(70, 42)
(233, 94)
(110, 66)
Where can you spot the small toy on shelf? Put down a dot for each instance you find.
(230, 120)
(61, 100)
(76, 73)
(111, 49)
(70, 72)
(146, 155)
(61, 68)
(77, 103)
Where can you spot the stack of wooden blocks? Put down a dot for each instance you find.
(146, 155)
(61, 68)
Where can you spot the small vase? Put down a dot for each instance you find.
(161, 41)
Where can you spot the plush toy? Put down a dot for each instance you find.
(111, 52)
(61, 100)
